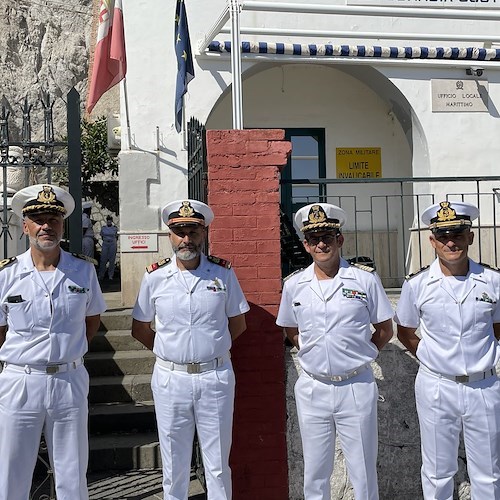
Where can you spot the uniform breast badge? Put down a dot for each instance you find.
(216, 286)
(486, 298)
(353, 294)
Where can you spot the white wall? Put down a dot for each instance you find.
(304, 95)
(356, 104)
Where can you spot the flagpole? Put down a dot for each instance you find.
(127, 116)
(236, 65)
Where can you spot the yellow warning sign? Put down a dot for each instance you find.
(359, 163)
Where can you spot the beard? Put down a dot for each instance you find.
(187, 253)
(45, 244)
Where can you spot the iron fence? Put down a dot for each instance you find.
(25, 161)
(383, 224)
(197, 165)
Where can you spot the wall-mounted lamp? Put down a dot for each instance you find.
(474, 71)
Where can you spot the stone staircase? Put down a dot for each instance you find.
(122, 426)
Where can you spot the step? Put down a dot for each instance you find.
(115, 340)
(108, 364)
(122, 417)
(124, 452)
(116, 320)
(120, 389)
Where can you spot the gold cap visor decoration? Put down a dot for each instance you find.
(450, 216)
(42, 198)
(320, 217)
(187, 213)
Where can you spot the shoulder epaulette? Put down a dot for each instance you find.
(293, 274)
(412, 275)
(7, 262)
(363, 267)
(157, 265)
(219, 262)
(487, 266)
(84, 257)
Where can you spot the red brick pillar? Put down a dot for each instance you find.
(243, 191)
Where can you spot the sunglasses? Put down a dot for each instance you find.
(327, 239)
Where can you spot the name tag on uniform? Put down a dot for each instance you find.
(353, 294)
(15, 299)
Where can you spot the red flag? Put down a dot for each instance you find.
(110, 61)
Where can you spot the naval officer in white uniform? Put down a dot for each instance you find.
(456, 304)
(326, 310)
(199, 309)
(109, 235)
(50, 306)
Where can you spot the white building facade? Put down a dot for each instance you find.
(414, 83)
(393, 103)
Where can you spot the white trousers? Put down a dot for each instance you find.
(446, 408)
(108, 255)
(184, 401)
(57, 405)
(348, 409)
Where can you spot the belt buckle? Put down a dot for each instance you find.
(51, 369)
(462, 379)
(193, 368)
(337, 378)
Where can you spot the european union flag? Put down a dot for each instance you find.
(185, 69)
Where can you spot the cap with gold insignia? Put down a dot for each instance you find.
(187, 213)
(450, 216)
(41, 198)
(320, 217)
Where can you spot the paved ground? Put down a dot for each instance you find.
(135, 485)
(122, 485)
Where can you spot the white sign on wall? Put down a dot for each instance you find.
(144, 242)
(459, 96)
(470, 4)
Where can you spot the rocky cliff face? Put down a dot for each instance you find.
(44, 47)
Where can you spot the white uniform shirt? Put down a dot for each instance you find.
(334, 331)
(47, 326)
(457, 334)
(87, 225)
(191, 322)
(108, 234)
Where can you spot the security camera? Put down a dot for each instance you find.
(474, 71)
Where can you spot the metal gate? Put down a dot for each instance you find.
(25, 161)
(383, 224)
(197, 161)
